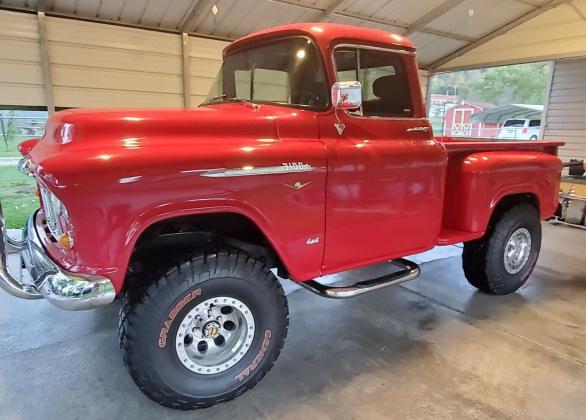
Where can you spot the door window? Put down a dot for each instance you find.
(385, 87)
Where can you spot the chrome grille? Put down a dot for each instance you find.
(51, 213)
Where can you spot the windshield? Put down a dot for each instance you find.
(287, 72)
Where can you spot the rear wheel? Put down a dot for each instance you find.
(502, 261)
(205, 331)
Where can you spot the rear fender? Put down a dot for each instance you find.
(477, 182)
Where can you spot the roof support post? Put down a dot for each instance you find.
(186, 72)
(45, 62)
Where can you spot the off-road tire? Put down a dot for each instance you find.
(483, 259)
(151, 357)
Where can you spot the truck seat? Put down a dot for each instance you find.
(392, 98)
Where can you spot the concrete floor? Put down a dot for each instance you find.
(432, 348)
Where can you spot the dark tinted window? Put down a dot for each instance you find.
(285, 72)
(514, 123)
(534, 123)
(385, 88)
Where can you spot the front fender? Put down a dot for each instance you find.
(286, 251)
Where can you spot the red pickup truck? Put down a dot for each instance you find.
(312, 155)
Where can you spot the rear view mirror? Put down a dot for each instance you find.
(347, 95)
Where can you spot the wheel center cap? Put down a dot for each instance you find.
(211, 329)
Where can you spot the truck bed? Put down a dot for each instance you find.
(485, 178)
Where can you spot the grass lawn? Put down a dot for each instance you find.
(17, 194)
(11, 152)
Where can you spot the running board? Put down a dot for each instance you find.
(409, 271)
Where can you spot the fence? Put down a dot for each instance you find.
(16, 126)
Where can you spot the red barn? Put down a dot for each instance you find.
(458, 121)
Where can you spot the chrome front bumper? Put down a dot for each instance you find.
(67, 290)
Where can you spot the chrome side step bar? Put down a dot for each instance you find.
(409, 271)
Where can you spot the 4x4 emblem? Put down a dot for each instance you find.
(298, 185)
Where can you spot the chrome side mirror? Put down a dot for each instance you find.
(347, 95)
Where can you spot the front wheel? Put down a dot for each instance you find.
(205, 331)
(501, 262)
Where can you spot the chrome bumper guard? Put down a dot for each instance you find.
(67, 290)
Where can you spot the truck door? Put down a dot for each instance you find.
(385, 184)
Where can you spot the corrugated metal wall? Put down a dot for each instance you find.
(566, 110)
(96, 65)
(21, 75)
(205, 57)
(99, 65)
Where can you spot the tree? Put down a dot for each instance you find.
(523, 84)
(11, 128)
(8, 128)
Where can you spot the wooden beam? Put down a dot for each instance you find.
(497, 32)
(405, 26)
(186, 70)
(303, 6)
(396, 24)
(578, 11)
(432, 15)
(46, 63)
(332, 8)
(193, 13)
(531, 3)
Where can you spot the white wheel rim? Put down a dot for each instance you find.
(215, 335)
(517, 251)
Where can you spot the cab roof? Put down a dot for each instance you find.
(325, 34)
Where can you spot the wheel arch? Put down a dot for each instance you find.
(510, 200)
(188, 231)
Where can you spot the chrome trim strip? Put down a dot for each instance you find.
(261, 170)
(369, 47)
(423, 128)
(67, 290)
(24, 166)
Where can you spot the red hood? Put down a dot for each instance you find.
(119, 128)
(117, 141)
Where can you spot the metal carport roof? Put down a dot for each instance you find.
(440, 29)
(500, 114)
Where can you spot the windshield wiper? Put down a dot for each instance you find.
(225, 98)
(213, 99)
(244, 101)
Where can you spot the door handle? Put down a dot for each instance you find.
(414, 129)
